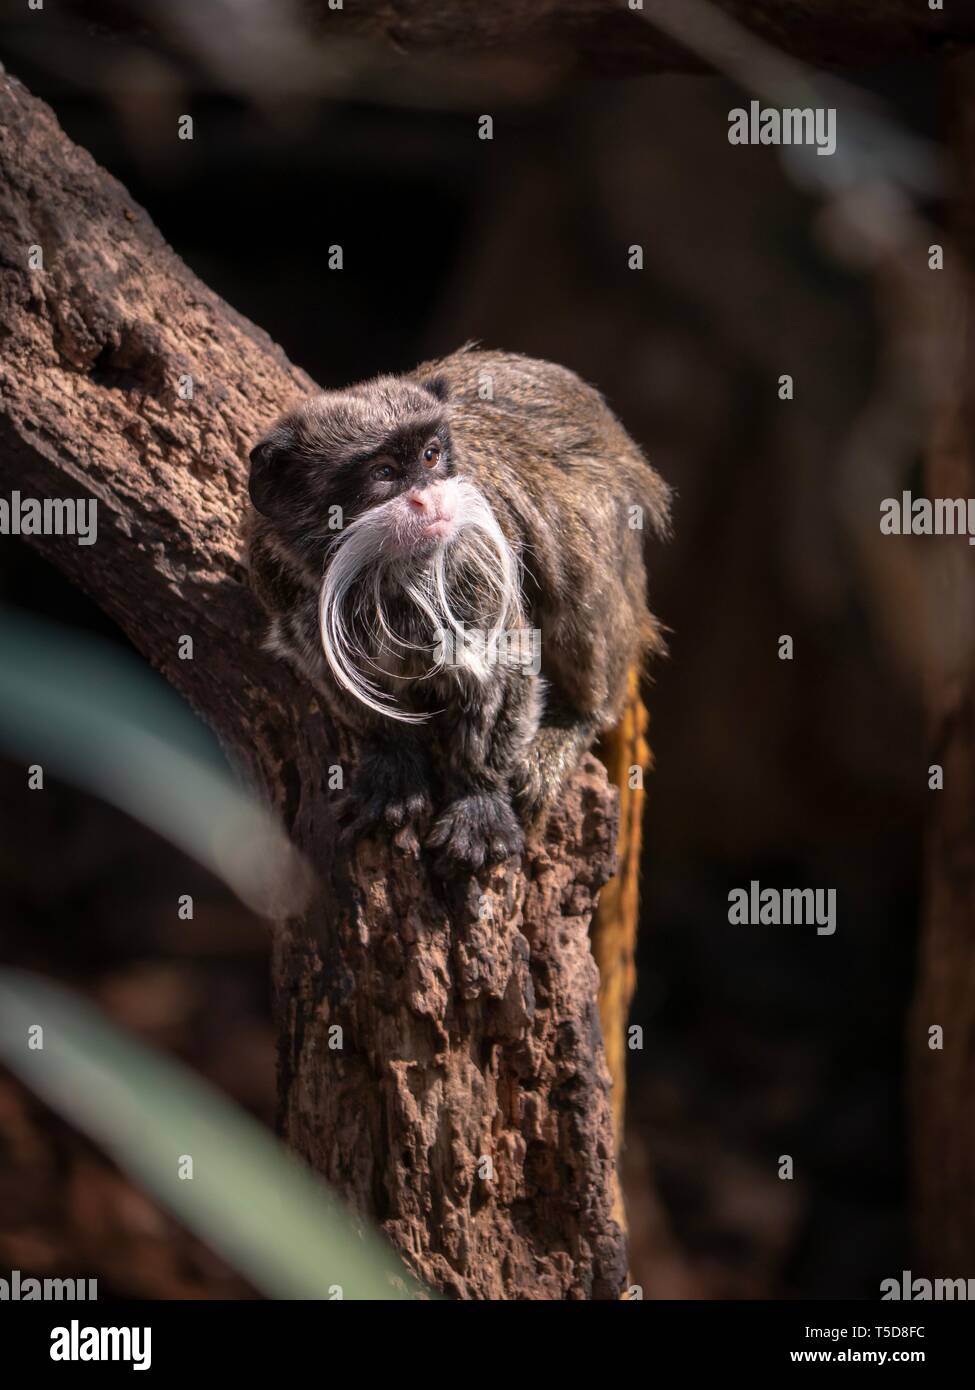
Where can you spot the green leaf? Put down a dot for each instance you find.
(97, 717)
(248, 1197)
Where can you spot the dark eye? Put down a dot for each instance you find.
(383, 472)
(431, 454)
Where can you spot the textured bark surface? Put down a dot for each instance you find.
(467, 1109)
(468, 1106)
(944, 1080)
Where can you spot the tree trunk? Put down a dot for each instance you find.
(943, 1079)
(440, 1056)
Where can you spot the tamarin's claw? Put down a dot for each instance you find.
(386, 791)
(475, 830)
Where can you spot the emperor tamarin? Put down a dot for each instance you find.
(419, 542)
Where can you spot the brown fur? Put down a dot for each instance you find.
(561, 476)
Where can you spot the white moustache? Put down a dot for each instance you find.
(375, 546)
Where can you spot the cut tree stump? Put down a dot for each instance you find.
(467, 1109)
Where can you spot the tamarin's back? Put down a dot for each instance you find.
(574, 489)
(540, 425)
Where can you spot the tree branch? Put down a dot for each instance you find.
(598, 36)
(610, 37)
(465, 1106)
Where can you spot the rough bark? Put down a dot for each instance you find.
(468, 1015)
(943, 1080)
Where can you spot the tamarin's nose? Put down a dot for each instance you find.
(432, 503)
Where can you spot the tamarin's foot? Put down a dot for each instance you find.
(385, 791)
(475, 830)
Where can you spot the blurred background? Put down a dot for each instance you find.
(758, 1042)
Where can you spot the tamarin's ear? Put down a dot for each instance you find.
(438, 386)
(268, 481)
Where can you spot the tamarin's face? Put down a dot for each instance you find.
(383, 448)
(362, 486)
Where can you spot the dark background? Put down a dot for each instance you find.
(758, 1041)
